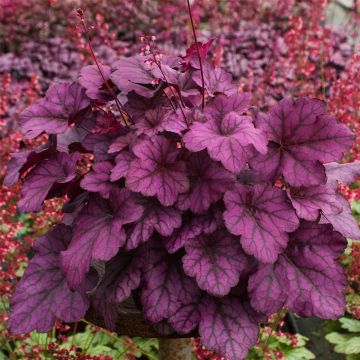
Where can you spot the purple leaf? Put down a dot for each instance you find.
(345, 173)
(137, 105)
(92, 80)
(344, 222)
(164, 220)
(217, 81)
(58, 168)
(309, 201)
(177, 122)
(18, 160)
(192, 55)
(221, 105)
(188, 88)
(249, 177)
(154, 121)
(133, 73)
(54, 241)
(208, 182)
(121, 142)
(266, 290)
(301, 136)
(42, 296)
(106, 123)
(231, 140)
(186, 318)
(193, 227)
(122, 276)
(98, 232)
(157, 172)
(263, 216)
(121, 168)
(22, 161)
(227, 328)
(98, 179)
(215, 260)
(53, 113)
(307, 278)
(166, 287)
(71, 139)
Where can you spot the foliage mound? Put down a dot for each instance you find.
(182, 199)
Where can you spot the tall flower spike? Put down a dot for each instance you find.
(199, 55)
(122, 111)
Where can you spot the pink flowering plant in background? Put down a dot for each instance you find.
(183, 199)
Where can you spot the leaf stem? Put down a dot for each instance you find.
(198, 52)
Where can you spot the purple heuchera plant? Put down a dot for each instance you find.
(202, 217)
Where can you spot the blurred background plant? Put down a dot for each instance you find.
(274, 48)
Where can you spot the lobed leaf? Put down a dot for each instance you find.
(55, 112)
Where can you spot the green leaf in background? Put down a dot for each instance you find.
(79, 340)
(102, 349)
(355, 207)
(350, 324)
(344, 344)
(336, 338)
(302, 340)
(299, 354)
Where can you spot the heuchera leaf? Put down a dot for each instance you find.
(208, 181)
(263, 216)
(231, 140)
(343, 222)
(249, 177)
(215, 260)
(156, 171)
(53, 113)
(186, 318)
(344, 173)
(92, 80)
(222, 105)
(217, 81)
(121, 142)
(193, 227)
(43, 296)
(71, 140)
(227, 328)
(301, 136)
(191, 56)
(154, 121)
(155, 218)
(166, 287)
(132, 74)
(106, 123)
(58, 168)
(98, 179)
(122, 165)
(22, 161)
(122, 276)
(99, 232)
(309, 201)
(177, 122)
(307, 278)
